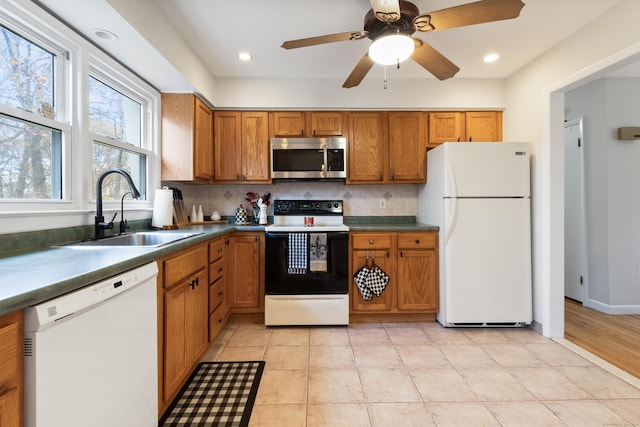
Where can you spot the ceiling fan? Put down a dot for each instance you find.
(394, 21)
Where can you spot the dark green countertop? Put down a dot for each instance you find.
(38, 275)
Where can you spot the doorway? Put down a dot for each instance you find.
(575, 231)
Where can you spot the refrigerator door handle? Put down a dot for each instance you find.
(451, 176)
(450, 220)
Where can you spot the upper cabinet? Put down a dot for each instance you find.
(187, 138)
(407, 146)
(367, 145)
(387, 147)
(241, 145)
(290, 124)
(470, 126)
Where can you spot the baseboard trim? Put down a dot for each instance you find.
(612, 309)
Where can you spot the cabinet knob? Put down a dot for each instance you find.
(219, 320)
(219, 293)
(302, 132)
(220, 270)
(417, 241)
(219, 250)
(470, 139)
(371, 241)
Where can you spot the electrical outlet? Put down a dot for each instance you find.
(382, 204)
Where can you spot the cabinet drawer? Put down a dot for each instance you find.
(217, 320)
(216, 294)
(371, 241)
(216, 250)
(183, 265)
(216, 270)
(417, 240)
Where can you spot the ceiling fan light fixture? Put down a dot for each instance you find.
(393, 49)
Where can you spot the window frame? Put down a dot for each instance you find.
(79, 59)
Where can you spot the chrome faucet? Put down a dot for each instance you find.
(100, 225)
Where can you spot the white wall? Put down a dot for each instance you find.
(535, 112)
(612, 194)
(370, 94)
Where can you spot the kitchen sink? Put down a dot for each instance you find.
(142, 238)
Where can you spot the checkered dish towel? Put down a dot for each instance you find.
(297, 253)
(360, 278)
(376, 280)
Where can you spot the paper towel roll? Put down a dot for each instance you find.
(162, 208)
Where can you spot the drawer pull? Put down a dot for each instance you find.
(417, 241)
(371, 241)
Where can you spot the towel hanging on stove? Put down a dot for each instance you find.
(297, 253)
(318, 252)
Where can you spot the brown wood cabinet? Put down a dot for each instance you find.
(306, 123)
(470, 126)
(418, 272)
(218, 290)
(407, 147)
(367, 147)
(246, 271)
(183, 334)
(241, 146)
(411, 261)
(11, 369)
(187, 138)
(387, 147)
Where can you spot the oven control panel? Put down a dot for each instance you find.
(307, 207)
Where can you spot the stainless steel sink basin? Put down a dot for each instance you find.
(143, 238)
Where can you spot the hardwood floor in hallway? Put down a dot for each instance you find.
(614, 338)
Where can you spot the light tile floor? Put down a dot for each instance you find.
(421, 374)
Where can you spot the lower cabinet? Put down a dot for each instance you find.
(409, 259)
(183, 334)
(246, 271)
(11, 369)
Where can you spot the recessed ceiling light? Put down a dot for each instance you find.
(104, 34)
(244, 56)
(492, 57)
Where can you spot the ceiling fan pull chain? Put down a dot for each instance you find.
(385, 76)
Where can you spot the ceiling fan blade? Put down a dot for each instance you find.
(329, 38)
(386, 10)
(468, 14)
(433, 61)
(360, 70)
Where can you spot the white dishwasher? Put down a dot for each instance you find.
(91, 355)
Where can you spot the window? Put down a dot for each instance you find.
(116, 129)
(30, 139)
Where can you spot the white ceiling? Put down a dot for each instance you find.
(217, 30)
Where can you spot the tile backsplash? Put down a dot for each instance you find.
(359, 200)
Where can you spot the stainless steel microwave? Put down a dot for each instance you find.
(309, 158)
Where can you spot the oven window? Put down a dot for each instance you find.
(298, 160)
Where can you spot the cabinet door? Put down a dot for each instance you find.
(326, 123)
(197, 316)
(382, 303)
(255, 147)
(287, 123)
(203, 140)
(227, 145)
(244, 262)
(175, 352)
(367, 147)
(446, 127)
(417, 280)
(11, 369)
(483, 126)
(407, 147)
(10, 408)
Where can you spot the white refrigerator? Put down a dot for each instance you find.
(479, 195)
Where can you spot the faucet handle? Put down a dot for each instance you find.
(113, 219)
(107, 225)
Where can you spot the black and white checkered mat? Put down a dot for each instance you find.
(217, 394)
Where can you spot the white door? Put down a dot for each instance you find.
(575, 245)
(487, 262)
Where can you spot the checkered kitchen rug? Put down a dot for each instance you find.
(217, 394)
